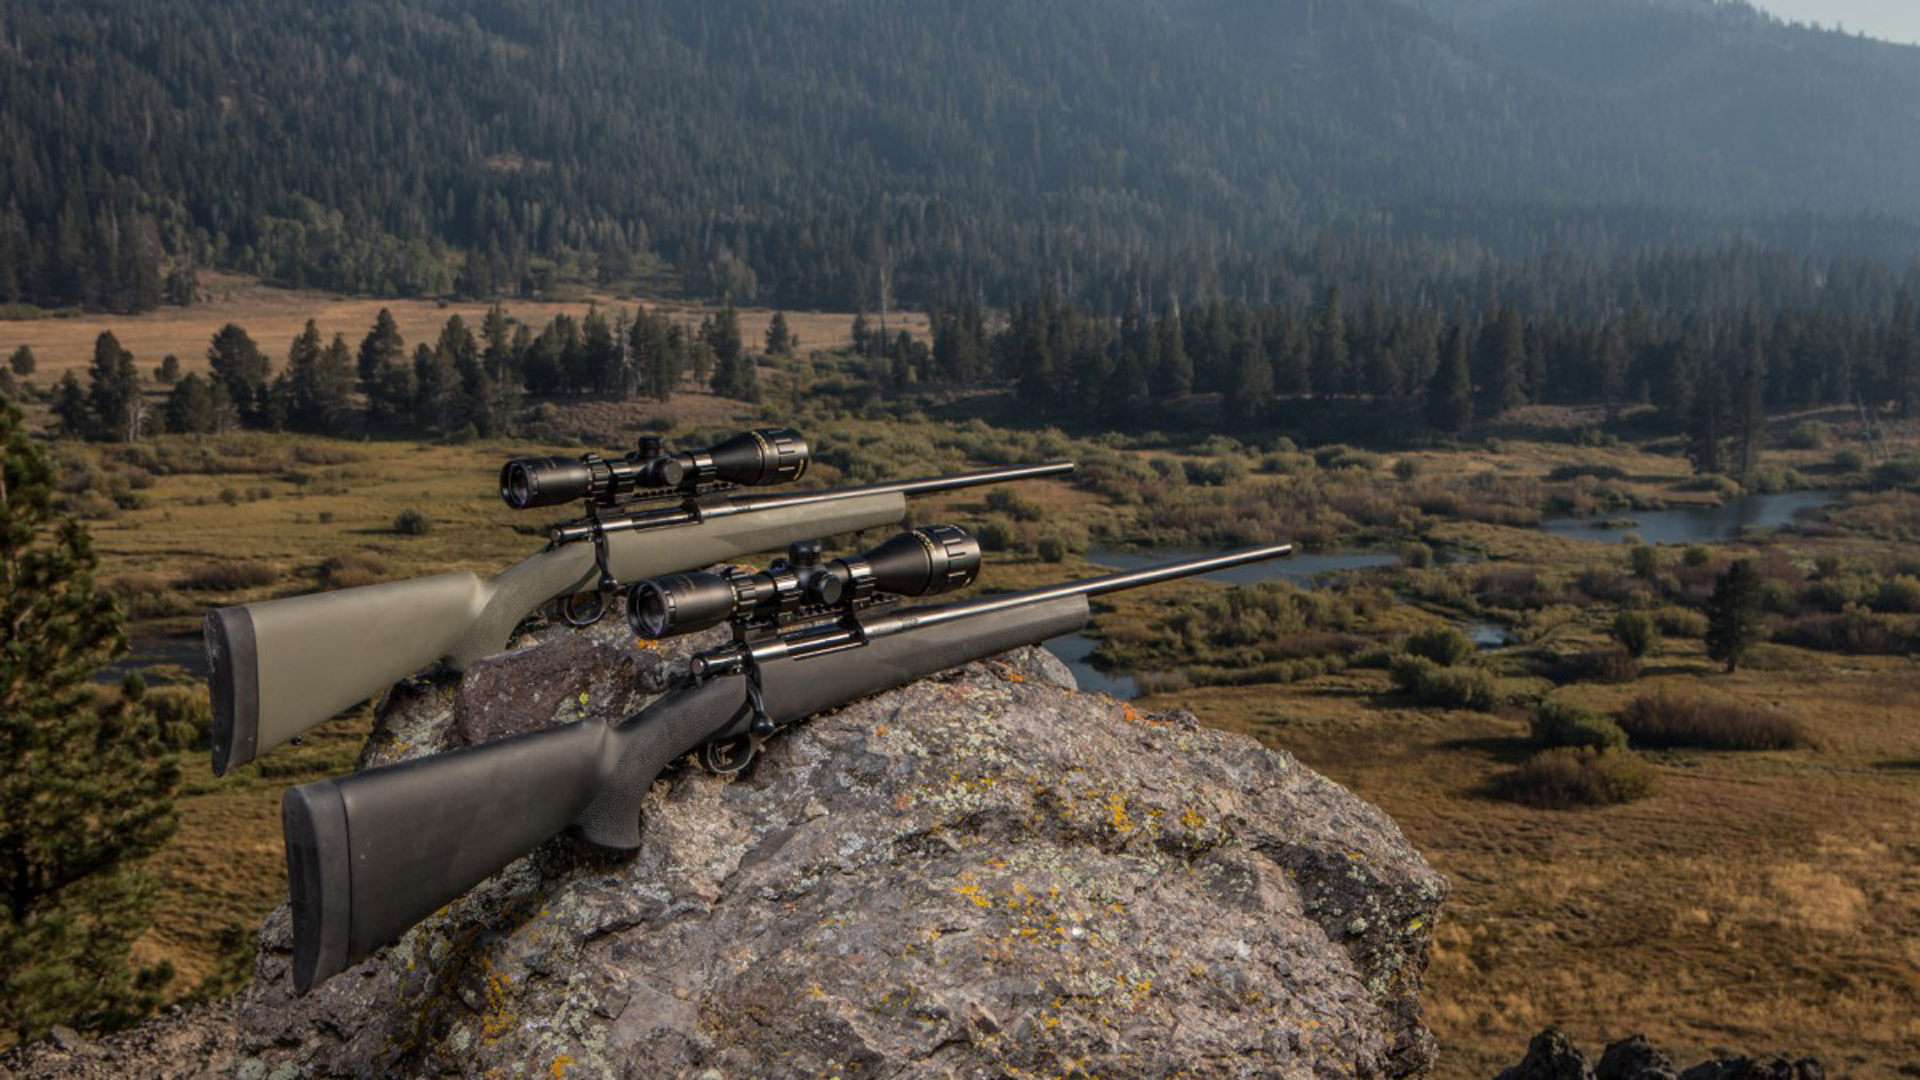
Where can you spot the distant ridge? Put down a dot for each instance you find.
(865, 152)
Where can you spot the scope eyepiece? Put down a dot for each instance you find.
(679, 604)
(529, 482)
(924, 562)
(751, 459)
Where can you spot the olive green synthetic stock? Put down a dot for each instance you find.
(318, 654)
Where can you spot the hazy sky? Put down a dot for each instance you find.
(1894, 20)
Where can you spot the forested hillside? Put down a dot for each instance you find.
(877, 152)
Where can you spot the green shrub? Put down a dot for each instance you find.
(996, 535)
(1567, 777)
(1052, 549)
(1416, 555)
(185, 714)
(1680, 622)
(231, 575)
(1810, 435)
(1904, 474)
(1598, 472)
(1560, 723)
(412, 523)
(1900, 593)
(1004, 500)
(1854, 630)
(1645, 560)
(1444, 687)
(1696, 556)
(1664, 719)
(1849, 460)
(1406, 468)
(1409, 671)
(1636, 632)
(1444, 645)
(1614, 665)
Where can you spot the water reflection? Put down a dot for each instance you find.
(1696, 524)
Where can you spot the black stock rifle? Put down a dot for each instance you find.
(279, 667)
(371, 854)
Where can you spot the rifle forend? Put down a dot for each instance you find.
(278, 667)
(371, 854)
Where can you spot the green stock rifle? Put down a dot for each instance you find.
(279, 667)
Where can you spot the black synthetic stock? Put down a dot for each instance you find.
(233, 684)
(409, 838)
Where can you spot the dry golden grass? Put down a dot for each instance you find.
(1759, 901)
(274, 317)
(1756, 902)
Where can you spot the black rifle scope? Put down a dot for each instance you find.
(751, 459)
(924, 562)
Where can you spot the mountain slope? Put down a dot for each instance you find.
(875, 151)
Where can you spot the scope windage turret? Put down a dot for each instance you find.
(924, 562)
(750, 459)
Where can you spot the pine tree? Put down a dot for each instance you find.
(382, 350)
(1751, 418)
(1450, 393)
(86, 795)
(436, 390)
(240, 365)
(738, 378)
(1734, 624)
(1252, 385)
(114, 397)
(1173, 370)
(1330, 352)
(319, 382)
(721, 332)
(780, 338)
(22, 361)
(70, 407)
(598, 361)
(191, 409)
(1507, 362)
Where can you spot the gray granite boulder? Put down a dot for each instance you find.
(982, 875)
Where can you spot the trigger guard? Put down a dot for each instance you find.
(727, 757)
(572, 609)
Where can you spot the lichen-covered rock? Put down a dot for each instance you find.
(983, 875)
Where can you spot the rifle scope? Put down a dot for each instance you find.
(750, 459)
(924, 562)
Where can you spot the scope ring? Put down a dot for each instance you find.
(573, 609)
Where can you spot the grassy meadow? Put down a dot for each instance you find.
(1754, 900)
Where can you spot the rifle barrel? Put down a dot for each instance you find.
(922, 486)
(1098, 586)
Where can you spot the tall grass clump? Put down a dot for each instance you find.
(412, 523)
(229, 576)
(1663, 720)
(1567, 777)
(351, 569)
